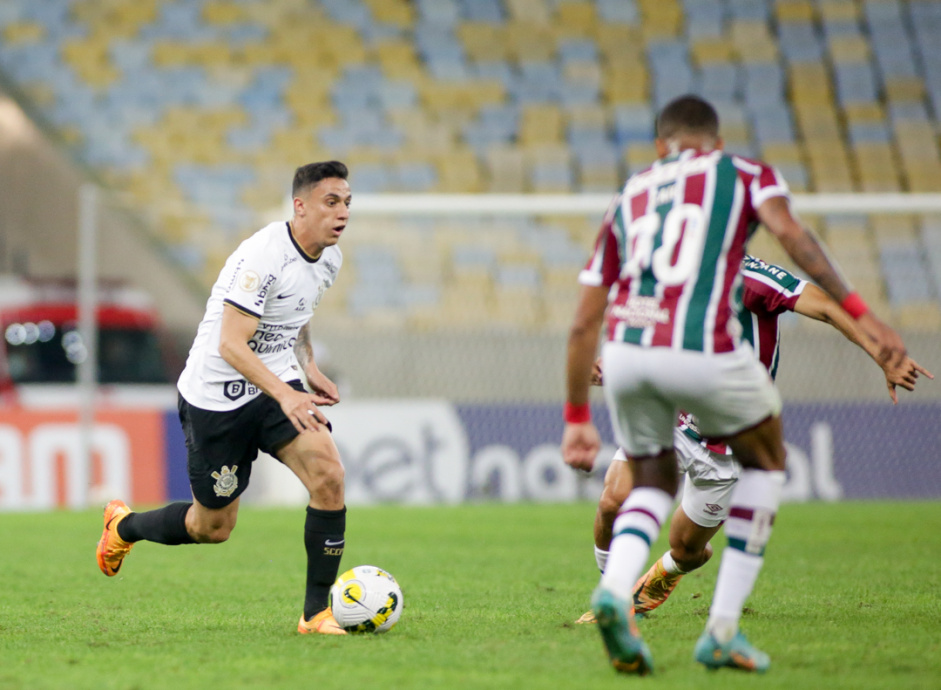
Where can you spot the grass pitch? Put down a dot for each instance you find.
(848, 599)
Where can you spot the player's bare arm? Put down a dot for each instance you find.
(325, 391)
(236, 332)
(580, 441)
(816, 304)
(803, 248)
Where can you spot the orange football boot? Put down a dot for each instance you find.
(111, 548)
(323, 623)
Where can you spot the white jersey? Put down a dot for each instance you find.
(271, 278)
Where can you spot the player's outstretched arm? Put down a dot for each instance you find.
(580, 440)
(816, 304)
(324, 390)
(806, 251)
(236, 331)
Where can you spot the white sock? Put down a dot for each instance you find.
(601, 558)
(737, 575)
(636, 528)
(670, 566)
(754, 504)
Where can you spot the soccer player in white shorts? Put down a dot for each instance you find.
(709, 471)
(664, 278)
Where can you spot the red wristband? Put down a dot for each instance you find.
(854, 305)
(576, 414)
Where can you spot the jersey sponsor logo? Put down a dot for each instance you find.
(234, 390)
(332, 267)
(301, 305)
(226, 481)
(641, 312)
(267, 341)
(249, 281)
(260, 299)
(288, 260)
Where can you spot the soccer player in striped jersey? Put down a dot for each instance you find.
(710, 471)
(668, 255)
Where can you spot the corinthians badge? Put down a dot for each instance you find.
(226, 481)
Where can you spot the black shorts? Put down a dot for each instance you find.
(221, 446)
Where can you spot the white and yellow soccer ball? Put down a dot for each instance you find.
(366, 599)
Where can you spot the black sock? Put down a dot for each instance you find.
(165, 525)
(324, 540)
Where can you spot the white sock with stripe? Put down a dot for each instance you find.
(670, 566)
(601, 558)
(755, 502)
(636, 528)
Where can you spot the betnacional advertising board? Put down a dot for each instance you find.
(425, 451)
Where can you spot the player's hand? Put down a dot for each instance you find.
(904, 375)
(301, 409)
(324, 391)
(580, 446)
(597, 378)
(891, 347)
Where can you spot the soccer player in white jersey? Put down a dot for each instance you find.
(241, 392)
(709, 471)
(669, 255)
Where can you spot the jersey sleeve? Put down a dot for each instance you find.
(252, 279)
(767, 184)
(769, 289)
(764, 181)
(604, 265)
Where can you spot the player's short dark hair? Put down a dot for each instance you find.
(308, 175)
(690, 114)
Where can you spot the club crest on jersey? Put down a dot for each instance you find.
(249, 281)
(226, 481)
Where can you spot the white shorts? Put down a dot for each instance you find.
(646, 387)
(708, 482)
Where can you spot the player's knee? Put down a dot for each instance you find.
(328, 479)
(777, 461)
(333, 478)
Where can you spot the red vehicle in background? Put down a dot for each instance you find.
(41, 343)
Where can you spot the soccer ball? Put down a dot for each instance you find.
(366, 599)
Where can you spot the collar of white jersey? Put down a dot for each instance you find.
(300, 250)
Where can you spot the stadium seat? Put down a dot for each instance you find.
(472, 95)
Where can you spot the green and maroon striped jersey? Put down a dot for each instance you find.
(671, 246)
(767, 292)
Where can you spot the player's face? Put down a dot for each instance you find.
(326, 210)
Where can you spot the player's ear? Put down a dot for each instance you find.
(663, 148)
(720, 144)
(298, 206)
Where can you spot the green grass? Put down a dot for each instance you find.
(848, 599)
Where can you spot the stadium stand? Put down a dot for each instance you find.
(199, 110)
